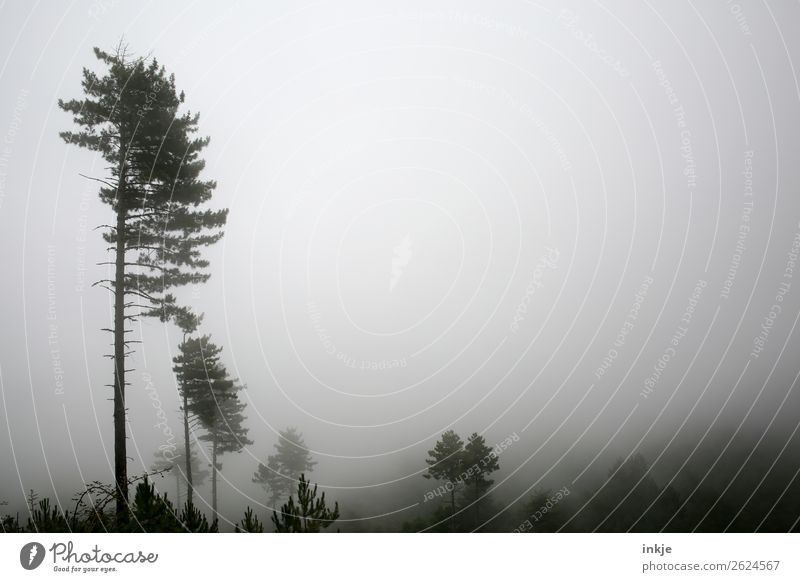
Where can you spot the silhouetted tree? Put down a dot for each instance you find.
(446, 461)
(309, 515)
(291, 459)
(542, 512)
(149, 511)
(130, 116)
(272, 479)
(46, 518)
(153, 512)
(479, 462)
(214, 399)
(439, 521)
(195, 522)
(250, 523)
(10, 524)
(174, 462)
(631, 500)
(188, 371)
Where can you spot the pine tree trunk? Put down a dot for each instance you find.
(477, 509)
(214, 479)
(120, 453)
(178, 488)
(453, 510)
(187, 449)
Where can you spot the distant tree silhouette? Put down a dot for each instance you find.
(479, 462)
(130, 116)
(46, 518)
(153, 512)
(188, 364)
(439, 521)
(214, 399)
(271, 477)
(10, 524)
(309, 515)
(195, 522)
(631, 500)
(291, 459)
(706, 510)
(542, 512)
(446, 461)
(175, 463)
(30, 501)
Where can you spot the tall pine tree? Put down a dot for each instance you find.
(214, 399)
(272, 479)
(283, 469)
(130, 116)
(480, 461)
(189, 370)
(446, 461)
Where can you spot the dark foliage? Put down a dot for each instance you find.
(283, 469)
(250, 523)
(309, 515)
(130, 116)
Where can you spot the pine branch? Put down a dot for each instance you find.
(112, 186)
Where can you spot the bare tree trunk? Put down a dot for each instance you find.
(477, 508)
(453, 510)
(214, 479)
(120, 444)
(186, 444)
(178, 488)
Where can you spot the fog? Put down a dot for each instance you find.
(575, 226)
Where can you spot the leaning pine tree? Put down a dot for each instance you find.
(214, 399)
(130, 116)
(189, 369)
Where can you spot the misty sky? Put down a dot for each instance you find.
(577, 225)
